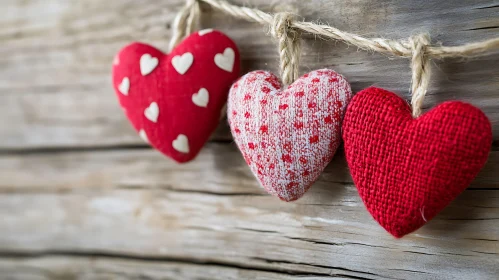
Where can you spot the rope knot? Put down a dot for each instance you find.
(420, 65)
(419, 43)
(281, 28)
(281, 23)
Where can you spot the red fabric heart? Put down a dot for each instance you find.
(407, 170)
(287, 137)
(175, 100)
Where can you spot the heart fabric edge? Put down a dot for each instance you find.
(287, 136)
(407, 170)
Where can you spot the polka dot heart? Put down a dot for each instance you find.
(174, 101)
(288, 136)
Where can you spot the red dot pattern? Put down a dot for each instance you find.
(287, 137)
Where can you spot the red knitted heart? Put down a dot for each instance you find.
(407, 170)
(288, 137)
(175, 100)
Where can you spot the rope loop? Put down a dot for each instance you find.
(289, 46)
(421, 71)
(186, 21)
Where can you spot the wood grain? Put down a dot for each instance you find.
(63, 267)
(137, 205)
(219, 168)
(56, 58)
(82, 197)
(326, 234)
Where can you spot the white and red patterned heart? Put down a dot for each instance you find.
(287, 137)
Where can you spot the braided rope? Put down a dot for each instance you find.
(289, 46)
(420, 66)
(393, 47)
(185, 22)
(286, 30)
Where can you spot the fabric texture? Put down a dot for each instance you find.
(175, 101)
(288, 136)
(407, 170)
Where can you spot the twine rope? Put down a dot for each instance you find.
(288, 46)
(186, 21)
(287, 31)
(387, 46)
(421, 70)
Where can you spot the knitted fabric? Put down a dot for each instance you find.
(174, 101)
(407, 170)
(288, 136)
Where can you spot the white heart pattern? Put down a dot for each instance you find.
(205, 31)
(147, 63)
(124, 86)
(181, 144)
(182, 63)
(225, 61)
(152, 112)
(143, 135)
(201, 98)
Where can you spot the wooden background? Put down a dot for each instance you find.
(82, 197)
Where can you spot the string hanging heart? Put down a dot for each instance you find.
(174, 100)
(406, 166)
(288, 135)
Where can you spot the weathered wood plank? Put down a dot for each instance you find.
(56, 56)
(219, 168)
(115, 209)
(79, 267)
(327, 234)
(136, 204)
